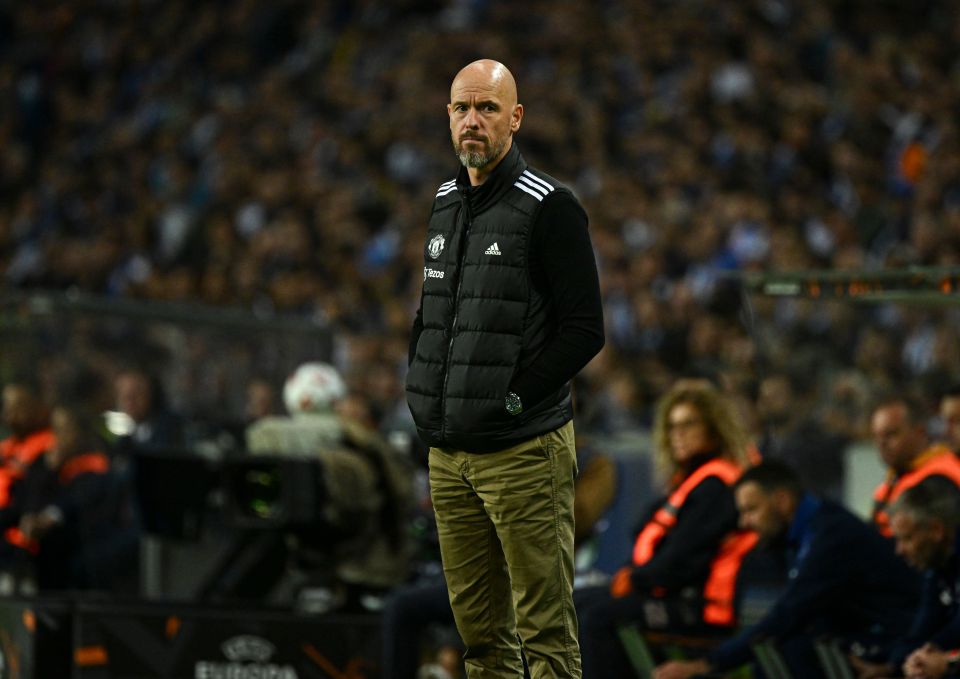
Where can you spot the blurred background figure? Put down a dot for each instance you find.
(149, 423)
(262, 399)
(899, 428)
(353, 537)
(790, 432)
(950, 417)
(687, 552)
(68, 525)
(925, 520)
(26, 419)
(310, 395)
(845, 583)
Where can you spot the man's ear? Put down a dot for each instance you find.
(783, 501)
(516, 118)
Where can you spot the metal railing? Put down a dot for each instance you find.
(204, 356)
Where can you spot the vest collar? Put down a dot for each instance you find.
(930, 453)
(498, 182)
(689, 466)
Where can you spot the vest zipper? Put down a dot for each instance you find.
(461, 254)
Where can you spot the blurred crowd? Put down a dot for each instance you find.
(281, 157)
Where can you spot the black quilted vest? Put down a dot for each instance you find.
(483, 319)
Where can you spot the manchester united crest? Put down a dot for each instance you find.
(435, 246)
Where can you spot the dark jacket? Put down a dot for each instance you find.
(845, 581)
(482, 320)
(938, 617)
(683, 557)
(79, 484)
(85, 547)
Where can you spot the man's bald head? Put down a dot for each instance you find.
(489, 73)
(484, 114)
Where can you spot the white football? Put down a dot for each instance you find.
(312, 388)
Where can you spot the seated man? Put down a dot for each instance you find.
(899, 431)
(925, 521)
(845, 582)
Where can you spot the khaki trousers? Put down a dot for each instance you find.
(505, 523)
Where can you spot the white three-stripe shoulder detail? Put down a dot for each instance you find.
(447, 187)
(524, 182)
(537, 181)
(538, 196)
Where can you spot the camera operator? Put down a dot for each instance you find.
(365, 486)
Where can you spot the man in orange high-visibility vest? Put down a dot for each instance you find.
(899, 431)
(25, 416)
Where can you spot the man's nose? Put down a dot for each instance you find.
(471, 120)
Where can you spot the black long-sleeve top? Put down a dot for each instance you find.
(563, 267)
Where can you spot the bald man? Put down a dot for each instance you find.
(509, 313)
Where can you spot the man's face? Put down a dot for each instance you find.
(918, 542)
(67, 435)
(484, 115)
(775, 403)
(898, 440)
(133, 396)
(20, 410)
(950, 413)
(763, 512)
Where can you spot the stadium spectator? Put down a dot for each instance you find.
(792, 434)
(845, 582)
(950, 416)
(262, 399)
(152, 425)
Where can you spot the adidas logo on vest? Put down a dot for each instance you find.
(493, 250)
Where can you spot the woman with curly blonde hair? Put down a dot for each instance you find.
(686, 555)
(702, 417)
